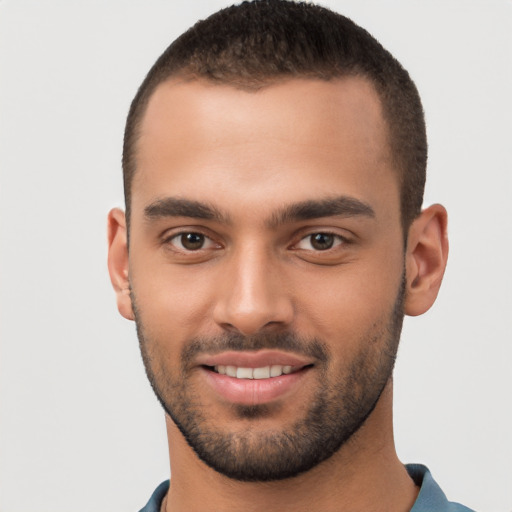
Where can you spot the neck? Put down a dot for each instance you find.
(364, 472)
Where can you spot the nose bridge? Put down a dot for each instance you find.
(253, 297)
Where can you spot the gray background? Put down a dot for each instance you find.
(80, 429)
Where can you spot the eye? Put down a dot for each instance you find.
(319, 242)
(191, 241)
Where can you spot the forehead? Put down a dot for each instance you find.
(304, 137)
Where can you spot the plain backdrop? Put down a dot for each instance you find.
(80, 428)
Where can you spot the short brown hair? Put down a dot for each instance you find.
(260, 42)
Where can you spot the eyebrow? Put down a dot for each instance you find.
(178, 207)
(343, 206)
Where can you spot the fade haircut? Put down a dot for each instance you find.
(256, 44)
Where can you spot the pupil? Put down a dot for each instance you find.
(192, 241)
(322, 241)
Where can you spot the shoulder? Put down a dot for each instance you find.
(431, 498)
(155, 502)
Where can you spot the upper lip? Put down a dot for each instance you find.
(257, 359)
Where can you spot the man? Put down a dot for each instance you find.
(274, 165)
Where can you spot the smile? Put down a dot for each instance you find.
(251, 378)
(252, 386)
(264, 372)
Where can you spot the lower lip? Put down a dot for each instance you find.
(254, 391)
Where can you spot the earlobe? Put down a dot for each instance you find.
(118, 261)
(426, 257)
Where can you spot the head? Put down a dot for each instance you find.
(256, 44)
(274, 163)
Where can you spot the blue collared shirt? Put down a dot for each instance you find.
(430, 498)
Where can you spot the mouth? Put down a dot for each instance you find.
(254, 378)
(263, 372)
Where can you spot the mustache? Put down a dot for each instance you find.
(287, 341)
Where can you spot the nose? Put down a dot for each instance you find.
(253, 297)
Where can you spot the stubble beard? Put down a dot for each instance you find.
(338, 409)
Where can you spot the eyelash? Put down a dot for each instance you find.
(337, 240)
(179, 236)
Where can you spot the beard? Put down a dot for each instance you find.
(341, 403)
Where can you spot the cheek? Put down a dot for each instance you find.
(350, 305)
(173, 301)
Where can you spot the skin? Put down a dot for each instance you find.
(250, 155)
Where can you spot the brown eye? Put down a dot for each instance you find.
(192, 241)
(190, 246)
(321, 241)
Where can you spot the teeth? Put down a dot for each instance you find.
(231, 371)
(265, 372)
(244, 373)
(276, 370)
(261, 373)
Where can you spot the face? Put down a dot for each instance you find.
(266, 268)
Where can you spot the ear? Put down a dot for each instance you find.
(427, 253)
(118, 261)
